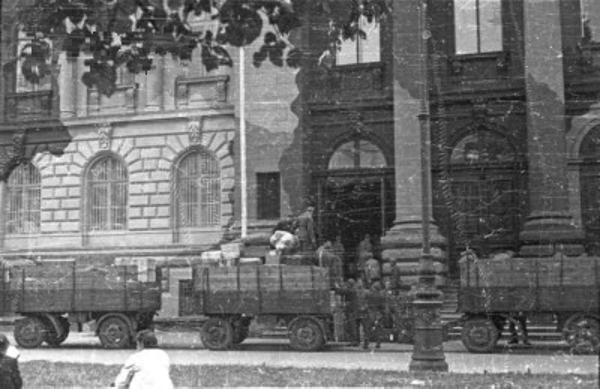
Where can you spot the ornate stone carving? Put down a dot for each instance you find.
(195, 130)
(357, 124)
(181, 94)
(104, 131)
(221, 91)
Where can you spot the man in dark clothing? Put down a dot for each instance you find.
(10, 377)
(351, 311)
(373, 320)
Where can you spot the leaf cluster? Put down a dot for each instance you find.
(128, 33)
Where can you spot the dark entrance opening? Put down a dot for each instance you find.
(351, 206)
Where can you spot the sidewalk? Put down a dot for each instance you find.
(185, 348)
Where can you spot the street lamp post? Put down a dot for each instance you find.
(428, 350)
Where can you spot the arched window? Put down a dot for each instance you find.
(198, 190)
(355, 154)
(107, 187)
(23, 216)
(487, 186)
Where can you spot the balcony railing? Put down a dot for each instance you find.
(123, 100)
(28, 105)
(200, 91)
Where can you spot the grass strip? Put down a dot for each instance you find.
(40, 374)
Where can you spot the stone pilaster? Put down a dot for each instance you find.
(550, 225)
(404, 240)
(68, 81)
(3, 194)
(154, 85)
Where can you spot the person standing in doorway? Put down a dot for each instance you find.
(306, 229)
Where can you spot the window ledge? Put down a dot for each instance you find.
(457, 62)
(357, 66)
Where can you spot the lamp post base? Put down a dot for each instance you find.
(428, 366)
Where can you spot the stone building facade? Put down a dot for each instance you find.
(513, 118)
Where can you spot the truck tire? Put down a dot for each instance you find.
(58, 329)
(582, 334)
(479, 335)
(115, 332)
(217, 334)
(306, 334)
(30, 332)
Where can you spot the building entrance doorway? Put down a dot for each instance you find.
(353, 205)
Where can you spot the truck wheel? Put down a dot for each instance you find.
(217, 334)
(58, 330)
(582, 334)
(114, 332)
(30, 332)
(479, 335)
(306, 334)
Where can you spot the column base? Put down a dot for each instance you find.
(545, 234)
(425, 365)
(404, 242)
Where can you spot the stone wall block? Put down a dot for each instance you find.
(163, 187)
(71, 181)
(149, 187)
(47, 193)
(148, 153)
(159, 223)
(150, 141)
(160, 199)
(149, 211)
(136, 166)
(60, 215)
(51, 181)
(168, 153)
(85, 149)
(138, 224)
(137, 188)
(75, 191)
(51, 227)
(79, 159)
(138, 200)
(60, 192)
(50, 204)
(125, 147)
(164, 211)
(69, 226)
(160, 175)
(132, 156)
(74, 214)
(227, 183)
(47, 216)
(71, 203)
(140, 177)
(150, 164)
(135, 212)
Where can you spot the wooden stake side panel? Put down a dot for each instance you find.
(70, 287)
(270, 289)
(553, 284)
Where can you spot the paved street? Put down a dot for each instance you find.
(185, 348)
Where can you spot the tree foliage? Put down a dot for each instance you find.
(129, 32)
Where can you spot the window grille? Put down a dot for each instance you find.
(107, 195)
(24, 191)
(198, 191)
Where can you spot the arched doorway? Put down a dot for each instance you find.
(487, 181)
(355, 195)
(589, 153)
